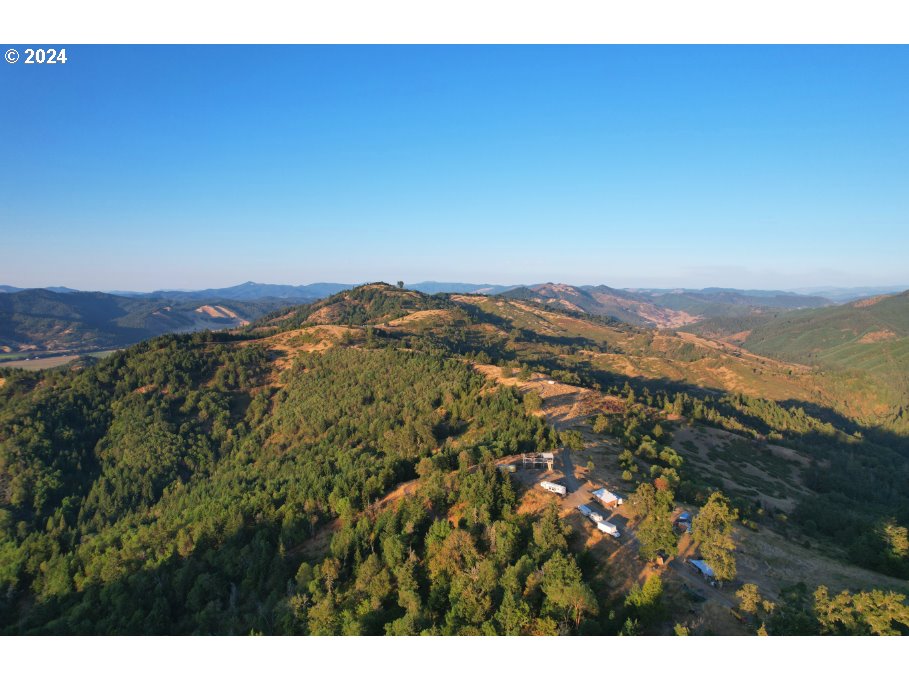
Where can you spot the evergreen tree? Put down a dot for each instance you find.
(712, 529)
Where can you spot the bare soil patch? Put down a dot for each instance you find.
(877, 336)
(564, 405)
(868, 302)
(471, 299)
(285, 347)
(217, 312)
(416, 318)
(739, 337)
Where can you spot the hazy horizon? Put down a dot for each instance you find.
(804, 290)
(144, 168)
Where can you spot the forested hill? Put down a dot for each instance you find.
(830, 335)
(173, 489)
(333, 470)
(42, 320)
(367, 304)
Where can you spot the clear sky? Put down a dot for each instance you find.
(189, 167)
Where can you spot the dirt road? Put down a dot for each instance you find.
(697, 584)
(571, 481)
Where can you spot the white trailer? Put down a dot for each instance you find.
(608, 528)
(554, 488)
(596, 517)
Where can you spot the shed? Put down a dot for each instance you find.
(607, 498)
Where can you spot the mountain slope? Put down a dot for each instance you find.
(866, 342)
(603, 301)
(818, 335)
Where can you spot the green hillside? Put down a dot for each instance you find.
(811, 334)
(864, 346)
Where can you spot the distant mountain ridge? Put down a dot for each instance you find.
(601, 301)
(251, 290)
(661, 308)
(721, 302)
(841, 294)
(431, 287)
(39, 320)
(53, 289)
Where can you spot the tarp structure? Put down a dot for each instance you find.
(703, 567)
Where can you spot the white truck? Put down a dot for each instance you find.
(596, 517)
(608, 528)
(554, 488)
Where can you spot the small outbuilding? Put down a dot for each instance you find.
(607, 498)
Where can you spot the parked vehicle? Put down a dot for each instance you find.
(585, 510)
(596, 517)
(608, 528)
(554, 488)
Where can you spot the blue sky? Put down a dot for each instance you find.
(189, 167)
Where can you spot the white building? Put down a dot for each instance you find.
(607, 498)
